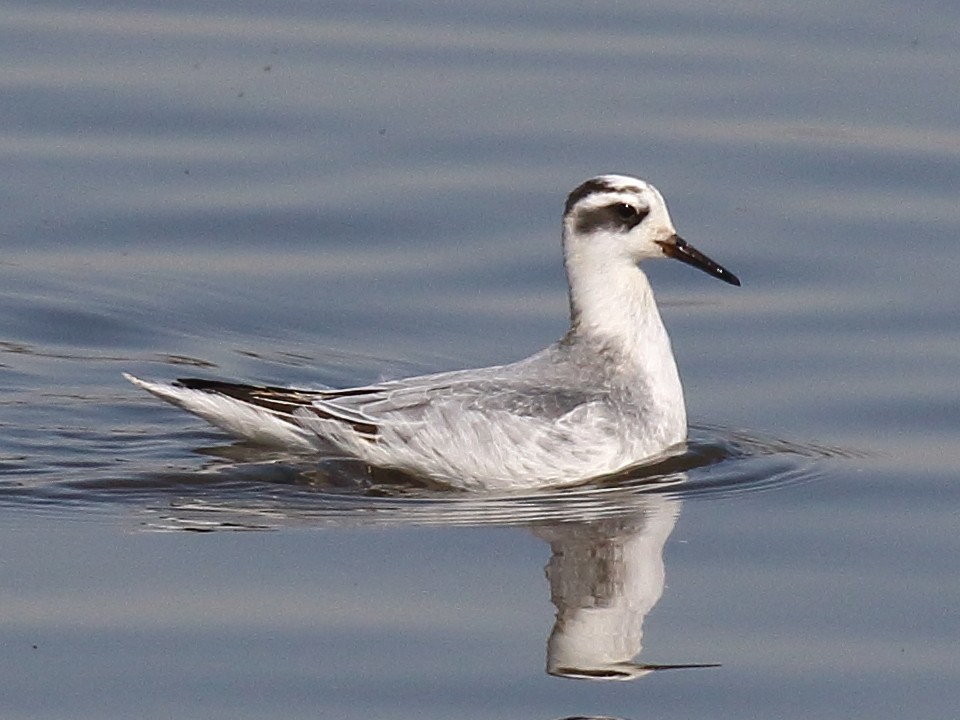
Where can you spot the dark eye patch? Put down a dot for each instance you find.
(615, 216)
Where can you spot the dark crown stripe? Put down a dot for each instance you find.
(594, 185)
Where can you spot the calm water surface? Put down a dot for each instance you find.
(337, 194)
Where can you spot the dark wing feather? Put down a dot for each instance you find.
(284, 402)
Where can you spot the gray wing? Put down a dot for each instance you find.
(538, 387)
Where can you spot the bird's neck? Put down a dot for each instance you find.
(612, 303)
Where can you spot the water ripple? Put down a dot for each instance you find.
(247, 488)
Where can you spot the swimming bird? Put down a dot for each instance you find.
(605, 396)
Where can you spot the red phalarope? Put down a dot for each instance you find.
(605, 396)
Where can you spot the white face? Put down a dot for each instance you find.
(621, 219)
(619, 215)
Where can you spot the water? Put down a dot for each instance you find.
(297, 194)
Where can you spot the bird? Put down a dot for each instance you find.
(603, 398)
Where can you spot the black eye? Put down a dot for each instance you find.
(629, 214)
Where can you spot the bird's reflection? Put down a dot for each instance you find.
(605, 576)
(606, 570)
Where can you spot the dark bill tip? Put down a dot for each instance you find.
(679, 249)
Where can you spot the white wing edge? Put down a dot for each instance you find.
(238, 418)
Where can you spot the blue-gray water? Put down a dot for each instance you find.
(337, 193)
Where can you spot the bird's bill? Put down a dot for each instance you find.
(679, 249)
